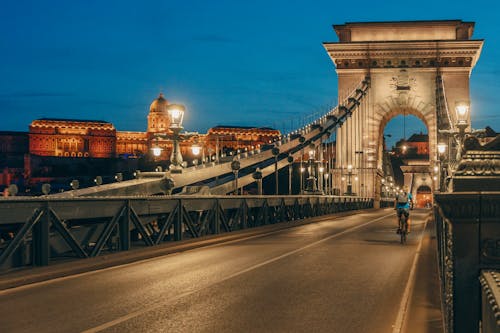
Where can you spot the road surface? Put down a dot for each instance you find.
(342, 274)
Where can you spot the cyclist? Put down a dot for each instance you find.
(402, 206)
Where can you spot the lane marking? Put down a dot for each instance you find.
(153, 307)
(403, 307)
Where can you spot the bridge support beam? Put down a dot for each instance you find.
(124, 229)
(41, 248)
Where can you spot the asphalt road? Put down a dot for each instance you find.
(346, 274)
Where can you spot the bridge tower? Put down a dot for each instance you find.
(413, 66)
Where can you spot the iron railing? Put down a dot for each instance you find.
(468, 243)
(490, 305)
(37, 231)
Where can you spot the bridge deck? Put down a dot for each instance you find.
(343, 274)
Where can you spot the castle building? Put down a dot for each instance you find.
(97, 139)
(72, 138)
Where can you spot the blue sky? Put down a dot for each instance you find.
(255, 63)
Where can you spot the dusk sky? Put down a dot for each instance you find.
(248, 63)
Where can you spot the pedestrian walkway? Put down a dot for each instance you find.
(424, 313)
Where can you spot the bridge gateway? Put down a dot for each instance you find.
(414, 68)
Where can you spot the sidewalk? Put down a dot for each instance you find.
(424, 313)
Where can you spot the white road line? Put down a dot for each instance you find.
(398, 325)
(251, 268)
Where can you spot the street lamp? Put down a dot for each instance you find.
(441, 148)
(276, 152)
(257, 175)
(349, 183)
(327, 183)
(359, 162)
(196, 149)
(441, 172)
(302, 170)
(321, 176)
(290, 164)
(311, 180)
(176, 114)
(156, 151)
(235, 166)
(462, 111)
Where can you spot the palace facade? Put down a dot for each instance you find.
(51, 138)
(100, 139)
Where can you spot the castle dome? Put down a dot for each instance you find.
(159, 105)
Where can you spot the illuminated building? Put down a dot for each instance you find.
(32, 157)
(72, 138)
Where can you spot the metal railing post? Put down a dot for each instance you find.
(41, 247)
(124, 229)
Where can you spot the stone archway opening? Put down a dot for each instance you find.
(423, 197)
(404, 149)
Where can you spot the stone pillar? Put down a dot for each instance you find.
(471, 217)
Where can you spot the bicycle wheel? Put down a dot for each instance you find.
(403, 228)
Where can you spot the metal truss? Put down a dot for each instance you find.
(49, 229)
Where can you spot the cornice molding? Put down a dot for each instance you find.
(376, 50)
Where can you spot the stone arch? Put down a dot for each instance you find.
(427, 197)
(414, 106)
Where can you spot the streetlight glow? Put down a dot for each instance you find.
(176, 113)
(462, 110)
(441, 147)
(195, 149)
(156, 151)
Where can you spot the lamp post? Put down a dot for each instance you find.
(349, 183)
(290, 164)
(156, 149)
(257, 175)
(176, 114)
(359, 158)
(462, 111)
(196, 149)
(441, 175)
(327, 182)
(302, 169)
(235, 166)
(311, 180)
(276, 152)
(321, 175)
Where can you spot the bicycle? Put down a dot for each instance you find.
(403, 227)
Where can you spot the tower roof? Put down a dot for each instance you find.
(159, 104)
